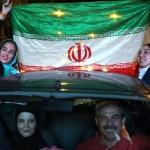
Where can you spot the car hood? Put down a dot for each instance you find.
(65, 84)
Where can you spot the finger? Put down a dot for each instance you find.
(7, 2)
(11, 4)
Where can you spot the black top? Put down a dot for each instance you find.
(1, 70)
(1, 23)
(146, 77)
(34, 142)
(4, 141)
(1, 66)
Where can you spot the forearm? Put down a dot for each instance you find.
(6, 8)
(2, 16)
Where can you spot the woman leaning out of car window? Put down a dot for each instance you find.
(8, 56)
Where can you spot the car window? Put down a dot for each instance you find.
(68, 122)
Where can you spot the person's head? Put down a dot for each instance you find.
(144, 56)
(109, 117)
(8, 49)
(26, 123)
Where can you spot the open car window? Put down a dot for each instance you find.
(68, 122)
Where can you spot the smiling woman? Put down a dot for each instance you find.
(26, 124)
(144, 63)
(8, 51)
(28, 131)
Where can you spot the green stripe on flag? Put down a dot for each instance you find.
(74, 21)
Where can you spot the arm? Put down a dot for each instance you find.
(6, 7)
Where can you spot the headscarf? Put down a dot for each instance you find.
(9, 68)
(34, 142)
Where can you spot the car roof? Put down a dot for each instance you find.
(71, 84)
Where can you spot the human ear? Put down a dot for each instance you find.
(97, 121)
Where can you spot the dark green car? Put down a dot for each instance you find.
(65, 103)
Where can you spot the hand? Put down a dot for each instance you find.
(6, 7)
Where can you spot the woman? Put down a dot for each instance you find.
(144, 63)
(8, 51)
(27, 135)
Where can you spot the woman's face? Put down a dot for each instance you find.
(7, 52)
(26, 124)
(144, 56)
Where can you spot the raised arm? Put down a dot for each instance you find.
(6, 8)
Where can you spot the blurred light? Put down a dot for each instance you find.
(58, 13)
(59, 32)
(64, 90)
(148, 96)
(75, 49)
(92, 35)
(64, 83)
(114, 16)
(105, 69)
(81, 43)
(88, 68)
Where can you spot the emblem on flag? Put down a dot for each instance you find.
(79, 52)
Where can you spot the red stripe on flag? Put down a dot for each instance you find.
(130, 69)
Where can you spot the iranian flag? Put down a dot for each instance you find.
(100, 36)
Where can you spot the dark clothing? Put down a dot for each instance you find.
(139, 142)
(1, 70)
(146, 77)
(4, 142)
(34, 142)
(1, 23)
(1, 66)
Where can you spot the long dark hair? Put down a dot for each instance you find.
(148, 44)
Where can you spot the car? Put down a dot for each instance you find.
(66, 100)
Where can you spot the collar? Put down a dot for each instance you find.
(142, 71)
(121, 145)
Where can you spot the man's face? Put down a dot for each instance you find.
(7, 52)
(109, 122)
(144, 56)
(26, 124)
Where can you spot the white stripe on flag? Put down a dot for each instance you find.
(105, 51)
